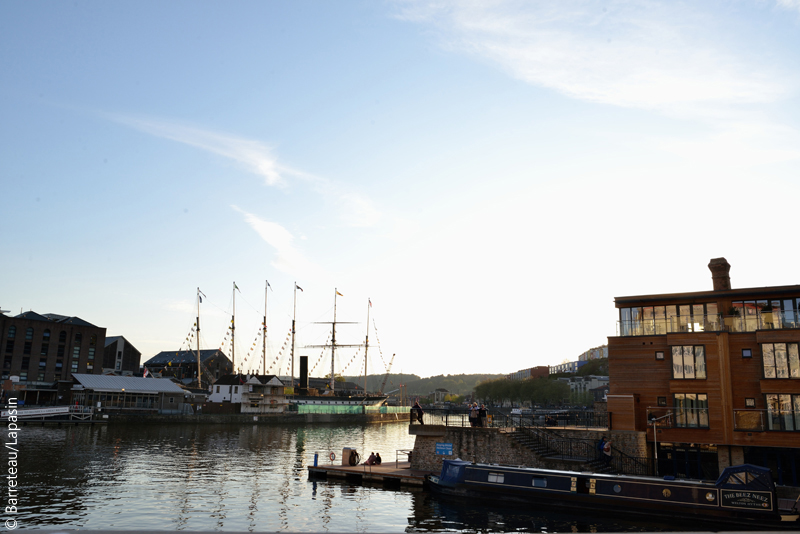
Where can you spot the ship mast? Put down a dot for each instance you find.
(264, 334)
(197, 333)
(334, 345)
(233, 330)
(366, 347)
(294, 316)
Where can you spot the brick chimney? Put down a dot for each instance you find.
(720, 274)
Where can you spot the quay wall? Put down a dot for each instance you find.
(278, 418)
(489, 445)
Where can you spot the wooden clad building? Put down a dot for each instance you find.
(715, 373)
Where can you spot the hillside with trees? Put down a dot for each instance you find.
(462, 384)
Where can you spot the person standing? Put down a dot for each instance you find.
(473, 414)
(482, 416)
(607, 452)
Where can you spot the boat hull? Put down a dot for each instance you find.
(679, 500)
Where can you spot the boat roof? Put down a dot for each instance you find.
(460, 463)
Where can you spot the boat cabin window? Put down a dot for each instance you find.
(496, 477)
(539, 482)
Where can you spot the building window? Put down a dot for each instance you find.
(658, 320)
(40, 377)
(119, 366)
(236, 389)
(26, 363)
(659, 355)
(12, 332)
(747, 353)
(93, 340)
(689, 362)
(749, 403)
(23, 375)
(78, 338)
(662, 401)
(74, 365)
(217, 389)
(62, 337)
(29, 334)
(172, 400)
(27, 348)
(46, 335)
(76, 351)
(691, 410)
(783, 411)
(781, 360)
(45, 349)
(10, 345)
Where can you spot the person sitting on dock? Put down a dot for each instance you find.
(371, 459)
(378, 458)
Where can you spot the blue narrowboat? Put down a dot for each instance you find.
(744, 493)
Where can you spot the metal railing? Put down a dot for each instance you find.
(760, 320)
(762, 420)
(540, 418)
(539, 431)
(677, 417)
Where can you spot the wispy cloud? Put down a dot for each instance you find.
(355, 209)
(254, 156)
(789, 4)
(288, 258)
(661, 56)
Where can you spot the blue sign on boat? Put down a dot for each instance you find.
(444, 448)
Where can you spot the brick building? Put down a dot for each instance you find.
(715, 373)
(120, 357)
(39, 351)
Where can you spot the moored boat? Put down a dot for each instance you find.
(742, 494)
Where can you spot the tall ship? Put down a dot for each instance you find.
(319, 392)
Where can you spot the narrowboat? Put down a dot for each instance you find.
(743, 494)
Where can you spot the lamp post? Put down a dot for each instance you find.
(655, 437)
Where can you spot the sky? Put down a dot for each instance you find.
(489, 174)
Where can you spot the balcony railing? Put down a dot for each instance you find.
(763, 420)
(761, 320)
(677, 417)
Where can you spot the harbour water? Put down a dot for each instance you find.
(244, 478)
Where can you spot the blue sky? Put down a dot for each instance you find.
(490, 174)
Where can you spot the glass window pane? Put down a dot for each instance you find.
(796, 410)
(677, 362)
(625, 319)
(659, 312)
(750, 316)
(769, 360)
(773, 413)
(702, 410)
(789, 319)
(672, 318)
(680, 414)
(648, 321)
(794, 360)
(698, 318)
(786, 412)
(688, 361)
(636, 321)
(781, 363)
(685, 318)
(700, 362)
(691, 410)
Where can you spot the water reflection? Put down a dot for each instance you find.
(245, 478)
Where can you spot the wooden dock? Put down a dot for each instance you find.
(389, 472)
